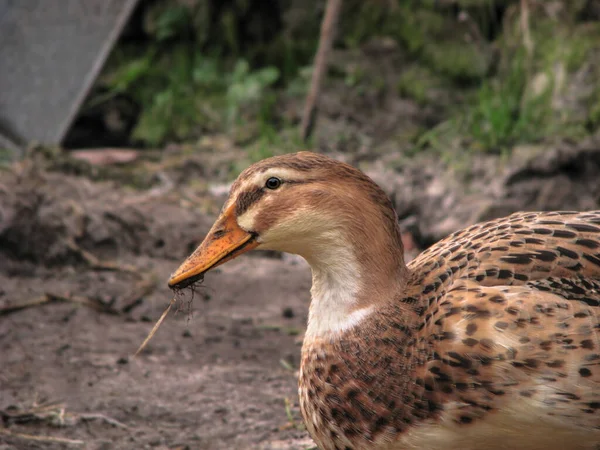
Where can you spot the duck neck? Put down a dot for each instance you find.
(352, 274)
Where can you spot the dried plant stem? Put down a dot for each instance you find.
(48, 439)
(332, 11)
(525, 28)
(50, 298)
(102, 417)
(96, 264)
(155, 327)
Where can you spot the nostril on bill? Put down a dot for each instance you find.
(219, 233)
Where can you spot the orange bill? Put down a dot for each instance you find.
(224, 241)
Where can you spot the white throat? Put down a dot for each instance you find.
(336, 273)
(335, 286)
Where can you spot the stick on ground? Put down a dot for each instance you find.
(51, 298)
(47, 439)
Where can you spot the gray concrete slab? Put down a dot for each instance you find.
(50, 53)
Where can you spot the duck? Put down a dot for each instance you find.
(489, 339)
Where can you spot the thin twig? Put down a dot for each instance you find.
(9, 309)
(332, 11)
(32, 437)
(95, 263)
(51, 298)
(108, 420)
(85, 301)
(54, 414)
(155, 327)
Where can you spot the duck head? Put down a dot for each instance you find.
(326, 211)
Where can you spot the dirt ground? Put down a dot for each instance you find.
(219, 374)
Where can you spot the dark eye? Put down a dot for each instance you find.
(273, 183)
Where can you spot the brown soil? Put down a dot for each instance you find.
(220, 372)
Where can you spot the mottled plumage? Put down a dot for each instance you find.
(501, 316)
(488, 339)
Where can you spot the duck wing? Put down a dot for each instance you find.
(511, 327)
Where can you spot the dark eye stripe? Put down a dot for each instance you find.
(246, 199)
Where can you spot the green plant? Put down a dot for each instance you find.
(186, 85)
(506, 112)
(593, 119)
(246, 87)
(171, 20)
(182, 94)
(6, 156)
(416, 83)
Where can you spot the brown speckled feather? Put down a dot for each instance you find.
(497, 333)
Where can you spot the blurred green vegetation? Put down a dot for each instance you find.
(497, 75)
(183, 90)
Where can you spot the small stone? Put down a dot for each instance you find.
(288, 313)
(123, 360)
